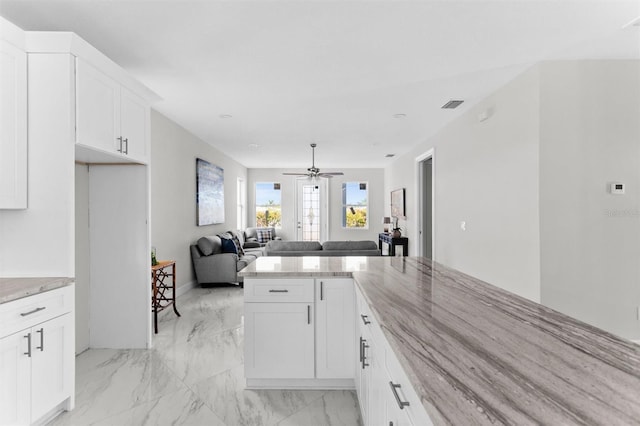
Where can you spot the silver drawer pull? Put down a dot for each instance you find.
(364, 319)
(278, 291)
(28, 352)
(24, 314)
(41, 347)
(401, 403)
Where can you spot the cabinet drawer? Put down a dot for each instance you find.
(278, 290)
(29, 311)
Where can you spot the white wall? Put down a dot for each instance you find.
(590, 239)
(173, 192)
(486, 174)
(39, 241)
(374, 178)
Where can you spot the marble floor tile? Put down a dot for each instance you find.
(333, 408)
(225, 393)
(109, 381)
(194, 375)
(179, 408)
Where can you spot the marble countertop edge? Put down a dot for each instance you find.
(14, 288)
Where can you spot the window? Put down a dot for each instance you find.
(268, 204)
(241, 219)
(355, 205)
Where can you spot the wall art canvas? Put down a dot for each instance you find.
(210, 193)
(397, 203)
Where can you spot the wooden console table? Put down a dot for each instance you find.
(164, 293)
(393, 242)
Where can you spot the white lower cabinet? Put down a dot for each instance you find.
(385, 394)
(279, 340)
(37, 362)
(334, 328)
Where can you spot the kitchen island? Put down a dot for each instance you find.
(477, 354)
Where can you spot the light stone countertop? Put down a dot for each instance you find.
(477, 354)
(17, 288)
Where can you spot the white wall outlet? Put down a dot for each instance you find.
(617, 188)
(463, 225)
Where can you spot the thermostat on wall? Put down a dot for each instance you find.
(617, 188)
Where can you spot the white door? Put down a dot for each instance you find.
(311, 209)
(279, 340)
(52, 359)
(15, 379)
(335, 328)
(97, 109)
(134, 117)
(13, 127)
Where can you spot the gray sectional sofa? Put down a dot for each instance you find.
(328, 248)
(212, 265)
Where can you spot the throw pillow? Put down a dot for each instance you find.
(228, 245)
(238, 245)
(264, 235)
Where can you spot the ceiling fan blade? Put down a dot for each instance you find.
(296, 174)
(332, 173)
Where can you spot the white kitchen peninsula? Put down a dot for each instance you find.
(433, 345)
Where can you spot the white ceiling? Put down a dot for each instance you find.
(330, 72)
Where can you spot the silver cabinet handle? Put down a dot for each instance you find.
(41, 347)
(24, 314)
(364, 319)
(361, 348)
(308, 314)
(278, 291)
(363, 342)
(126, 145)
(321, 289)
(401, 403)
(28, 352)
(120, 140)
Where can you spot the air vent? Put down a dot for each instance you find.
(452, 104)
(390, 155)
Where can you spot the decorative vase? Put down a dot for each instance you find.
(397, 233)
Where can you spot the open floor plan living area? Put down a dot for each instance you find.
(319, 213)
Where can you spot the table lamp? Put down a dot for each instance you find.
(386, 221)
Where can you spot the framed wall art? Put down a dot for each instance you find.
(397, 203)
(210, 193)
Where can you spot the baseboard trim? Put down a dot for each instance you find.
(300, 384)
(185, 288)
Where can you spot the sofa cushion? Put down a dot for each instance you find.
(210, 245)
(349, 245)
(230, 243)
(277, 245)
(245, 260)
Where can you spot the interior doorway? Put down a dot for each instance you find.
(311, 210)
(426, 207)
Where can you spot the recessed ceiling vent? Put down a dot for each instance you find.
(452, 104)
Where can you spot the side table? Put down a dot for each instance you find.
(164, 293)
(393, 242)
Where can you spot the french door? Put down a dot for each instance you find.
(311, 209)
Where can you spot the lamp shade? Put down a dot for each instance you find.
(386, 220)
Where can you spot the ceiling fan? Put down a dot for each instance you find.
(313, 171)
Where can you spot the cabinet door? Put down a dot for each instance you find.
(97, 109)
(335, 328)
(279, 340)
(52, 348)
(134, 119)
(13, 127)
(15, 379)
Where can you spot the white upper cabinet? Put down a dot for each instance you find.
(109, 118)
(13, 127)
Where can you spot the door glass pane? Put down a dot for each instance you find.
(310, 213)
